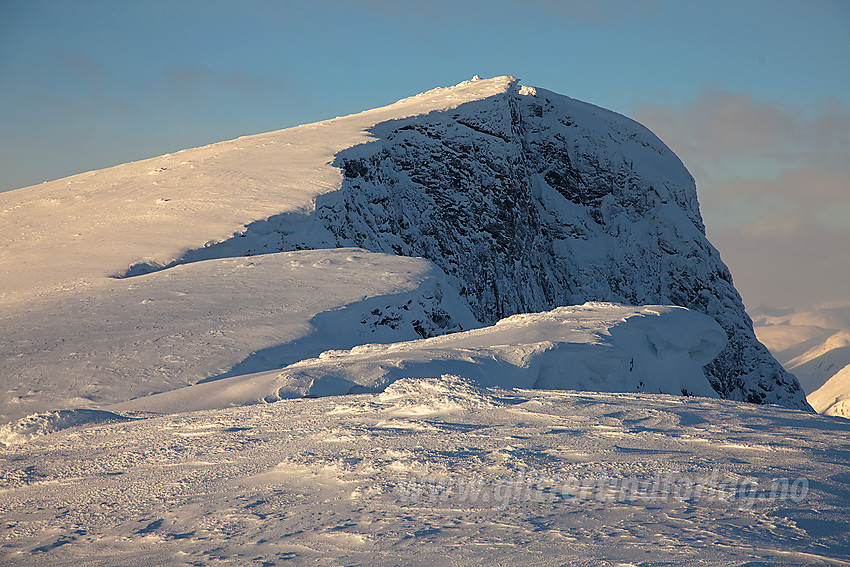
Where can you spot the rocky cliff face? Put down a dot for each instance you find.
(530, 200)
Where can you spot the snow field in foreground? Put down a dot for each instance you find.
(437, 472)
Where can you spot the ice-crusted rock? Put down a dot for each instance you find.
(529, 200)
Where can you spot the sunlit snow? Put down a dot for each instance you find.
(437, 471)
(165, 326)
(815, 345)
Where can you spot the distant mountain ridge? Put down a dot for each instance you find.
(815, 345)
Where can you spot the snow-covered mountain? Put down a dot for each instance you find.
(520, 200)
(529, 200)
(457, 264)
(815, 345)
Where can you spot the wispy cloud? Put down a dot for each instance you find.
(83, 66)
(774, 183)
(186, 81)
(189, 78)
(720, 127)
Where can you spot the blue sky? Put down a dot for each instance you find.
(753, 95)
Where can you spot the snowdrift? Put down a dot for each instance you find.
(127, 338)
(597, 347)
(38, 424)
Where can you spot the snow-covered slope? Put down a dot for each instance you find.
(75, 231)
(437, 472)
(125, 338)
(523, 200)
(815, 345)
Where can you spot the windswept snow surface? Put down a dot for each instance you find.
(437, 471)
(598, 347)
(815, 346)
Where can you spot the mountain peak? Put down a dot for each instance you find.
(523, 200)
(476, 88)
